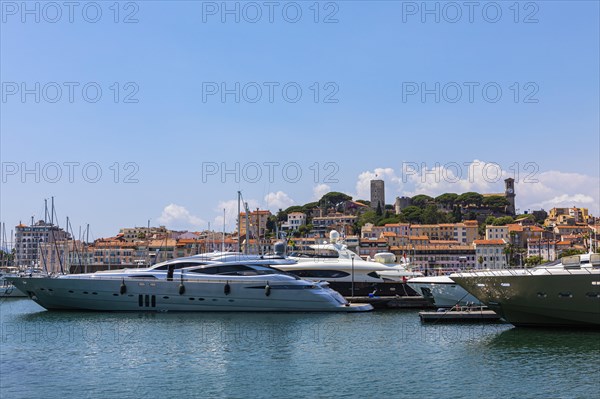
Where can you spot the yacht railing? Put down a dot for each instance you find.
(531, 271)
(192, 280)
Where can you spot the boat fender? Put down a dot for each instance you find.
(123, 288)
(227, 288)
(267, 290)
(181, 289)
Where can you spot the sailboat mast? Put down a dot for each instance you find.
(239, 223)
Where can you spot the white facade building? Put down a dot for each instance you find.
(497, 233)
(294, 221)
(491, 253)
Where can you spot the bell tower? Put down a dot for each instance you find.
(509, 193)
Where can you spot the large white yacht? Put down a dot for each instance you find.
(347, 272)
(187, 284)
(562, 293)
(442, 291)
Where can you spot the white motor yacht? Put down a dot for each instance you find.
(348, 273)
(558, 294)
(187, 284)
(442, 291)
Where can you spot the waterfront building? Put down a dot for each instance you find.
(546, 249)
(369, 230)
(439, 257)
(496, 233)
(518, 234)
(491, 254)
(29, 238)
(294, 221)
(564, 230)
(258, 223)
(567, 216)
(369, 247)
(465, 232)
(322, 225)
(131, 234)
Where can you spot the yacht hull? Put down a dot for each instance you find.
(444, 295)
(539, 300)
(11, 292)
(366, 288)
(163, 296)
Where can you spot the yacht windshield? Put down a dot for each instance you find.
(235, 270)
(176, 265)
(312, 253)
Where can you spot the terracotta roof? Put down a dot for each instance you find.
(409, 248)
(418, 238)
(489, 242)
(389, 234)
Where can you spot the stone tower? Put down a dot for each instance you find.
(509, 193)
(377, 194)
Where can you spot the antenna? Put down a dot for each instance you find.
(223, 246)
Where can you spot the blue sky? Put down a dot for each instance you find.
(368, 118)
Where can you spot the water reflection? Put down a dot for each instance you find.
(573, 341)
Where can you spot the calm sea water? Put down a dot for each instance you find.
(386, 354)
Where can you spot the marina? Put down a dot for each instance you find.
(304, 200)
(318, 354)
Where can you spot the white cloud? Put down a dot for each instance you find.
(534, 189)
(559, 189)
(320, 190)
(478, 176)
(178, 217)
(363, 185)
(278, 200)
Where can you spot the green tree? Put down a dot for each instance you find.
(364, 202)
(420, 200)
(431, 215)
(480, 261)
(446, 199)
(470, 198)
(412, 214)
(503, 221)
(334, 198)
(456, 214)
(495, 202)
(368, 217)
(309, 207)
(389, 220)
(293, 208)
(533, 260)
(379, 211)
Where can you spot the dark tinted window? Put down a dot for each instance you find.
(229, 270)
(178, 265)
(320, 273)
